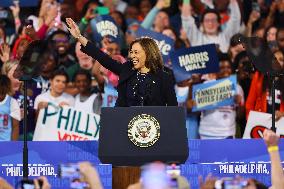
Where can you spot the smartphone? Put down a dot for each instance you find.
(101, 10)
(72, 172)
(234, 184)
(255, 6)
(29, 184)
(173, 170)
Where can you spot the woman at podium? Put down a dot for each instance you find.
(142, 80)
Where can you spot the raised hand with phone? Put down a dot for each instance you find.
(81, 175)
(37, 183)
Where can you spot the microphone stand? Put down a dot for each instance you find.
(272, 78)
(25, 80)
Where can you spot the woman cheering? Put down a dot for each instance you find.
(142, 79)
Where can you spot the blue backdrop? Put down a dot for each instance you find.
(223, 158)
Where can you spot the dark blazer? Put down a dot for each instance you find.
(160, 88)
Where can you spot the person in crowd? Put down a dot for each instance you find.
(280, 39)
(66, 59)
(55, 95)
(276, 15)
(86, 100)
(157, 19)
(244, 70)
(220, 123)
(260, 99)
(143, 82)
(144, 8)
(184, 95)
(179, 42)
(9, 69)
(10, 114)
(271, 140)
(236, 46)
(270, 38)
(253, 18)
(210, 26)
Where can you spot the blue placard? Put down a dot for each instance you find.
(44, 160)
(165, 43)
(214, 94)
(104, 25)
(199, 59)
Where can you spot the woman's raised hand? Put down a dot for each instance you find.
(73, 28)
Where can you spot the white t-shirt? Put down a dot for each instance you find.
(219, 122)
(87, 105)
(46, 97)
(15, 111)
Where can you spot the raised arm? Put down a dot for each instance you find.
(271, 140)
(188, 23)
(93, 51)
(149, 19)
(233, 25)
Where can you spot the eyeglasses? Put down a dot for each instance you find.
(213, 20)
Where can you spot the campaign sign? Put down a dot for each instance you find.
(199, 59)
(45, 159)
(165, 43)
(109, 96)
(104, 25)
(66, 124)
(214, 94)
(258, 122)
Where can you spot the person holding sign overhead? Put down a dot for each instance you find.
(142, 79)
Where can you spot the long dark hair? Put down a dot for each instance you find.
(5, 84)
(154, 59)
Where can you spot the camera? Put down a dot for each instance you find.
(72, 172)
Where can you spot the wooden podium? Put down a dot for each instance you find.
(122, 177)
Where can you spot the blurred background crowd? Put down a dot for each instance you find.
(70, 77)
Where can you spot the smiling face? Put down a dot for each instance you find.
(82, 83)
(210, 24)
(58, 85)
(225, 69)
(138, 57)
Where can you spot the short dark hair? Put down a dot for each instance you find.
(236, 39)
(83, 72)
(59, 72)
(58, 32)
(214, 11)
(5, 84)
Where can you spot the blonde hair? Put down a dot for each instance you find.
(8, 66)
